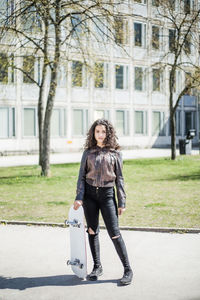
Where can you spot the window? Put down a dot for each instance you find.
(172, 40)
(4, 122)
(7, 11)
(58, 122)
(158, 125)
(187, 6)
(80, 122)
(157, 80)
(6, 68)
(79, 25)
(178, 122)
(172, 4)
(12, 70)
(140, 122)
(100, 31)
(79, 74)
(187, 45)
(62, 76)
(174, 82)
(29, 122)
(121, 31)
(155, 3)
(155, 37)
(188, 81)
(12, 127)
(28, 69)
(76, 24)
(122, 122)
(140, 35)
(178, 81)
(101, 75)
(55, 122)
(190, 121)
(121, 77)
(30, 18)
(7, 122)
(140, 79)
(3, 68)
(101, 114)
(141, 1)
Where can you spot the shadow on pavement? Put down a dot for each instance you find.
(22, 283)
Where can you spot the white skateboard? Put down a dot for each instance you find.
(78, 258)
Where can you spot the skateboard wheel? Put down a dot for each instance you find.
(68, 262)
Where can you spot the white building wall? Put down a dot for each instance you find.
(89, 99)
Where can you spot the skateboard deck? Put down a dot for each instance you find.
(78, 255)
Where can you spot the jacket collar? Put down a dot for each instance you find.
(104, 149)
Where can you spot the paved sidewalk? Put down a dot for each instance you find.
(32, 266)
(71, 157)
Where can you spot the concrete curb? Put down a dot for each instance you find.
(146, 229)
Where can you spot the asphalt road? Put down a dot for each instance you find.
(33, 266)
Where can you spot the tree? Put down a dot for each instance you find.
(52, 31)
(182, 21)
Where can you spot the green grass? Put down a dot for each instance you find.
(160, 192)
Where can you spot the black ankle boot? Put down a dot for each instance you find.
(127, 277)
(96, 272)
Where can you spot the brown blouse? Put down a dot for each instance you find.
(101, 167)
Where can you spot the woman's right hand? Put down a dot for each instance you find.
(77, 204)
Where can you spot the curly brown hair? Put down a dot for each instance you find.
(110, 140)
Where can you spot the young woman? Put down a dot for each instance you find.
(100, 171)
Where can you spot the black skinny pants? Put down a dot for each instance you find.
(101, 199)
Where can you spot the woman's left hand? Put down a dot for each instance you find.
(121, 210)
(77, 204)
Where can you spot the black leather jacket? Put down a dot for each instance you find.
(101, 167)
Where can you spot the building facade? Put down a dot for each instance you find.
(127, 88)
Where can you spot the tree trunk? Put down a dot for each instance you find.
(40, 125)
(45, 157)
(173, 134)
(41, 99)
(172, 111)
